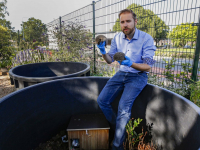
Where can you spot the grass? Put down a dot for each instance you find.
(187, 50)
(176, 52)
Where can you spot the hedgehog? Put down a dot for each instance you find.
(119, 56)
(101, 38)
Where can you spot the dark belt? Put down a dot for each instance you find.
(143, 72)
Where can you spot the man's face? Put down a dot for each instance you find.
(127, 23)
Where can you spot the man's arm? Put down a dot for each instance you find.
(141, 67)
(107, 58)
(148, 53)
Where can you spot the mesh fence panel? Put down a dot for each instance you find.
(170, 22)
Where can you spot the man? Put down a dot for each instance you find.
(139, 48)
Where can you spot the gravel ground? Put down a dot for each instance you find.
(5, 86)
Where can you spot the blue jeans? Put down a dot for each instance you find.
(131, 84)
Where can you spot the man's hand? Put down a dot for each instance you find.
(126, 62)
(101, 46)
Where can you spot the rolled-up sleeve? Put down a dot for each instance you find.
(148, 51)
(113, 49)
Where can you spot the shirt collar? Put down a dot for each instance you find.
(135, 37)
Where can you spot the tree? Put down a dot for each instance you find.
(3, 13)
(4, 22)
(6, 32)
(3, 8)
(4, 36)
(147, 22)
(6, 52)
(183, 33)
(34, 30)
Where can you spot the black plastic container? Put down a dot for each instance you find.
(35, 114)
(30, 74)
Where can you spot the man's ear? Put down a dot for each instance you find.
(136, 21)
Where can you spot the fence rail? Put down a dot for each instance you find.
(174, 25)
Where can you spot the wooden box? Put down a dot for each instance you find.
(92, 130)
(3, 73)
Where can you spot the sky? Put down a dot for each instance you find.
(45, 10)
(49, 10)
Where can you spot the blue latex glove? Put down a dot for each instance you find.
(101, 46)
(126, 62)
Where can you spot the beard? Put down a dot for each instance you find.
(129, 30)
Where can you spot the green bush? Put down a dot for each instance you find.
(72, 40)
(6, 51)
(195, 93)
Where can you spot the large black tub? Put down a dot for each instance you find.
(35, 114)
(30, 74)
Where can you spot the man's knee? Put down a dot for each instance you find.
(99, 100)
(123, 113)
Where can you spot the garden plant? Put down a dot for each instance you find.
(136, 140)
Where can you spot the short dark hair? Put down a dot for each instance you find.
(128, 11)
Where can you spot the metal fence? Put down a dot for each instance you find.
(174, 25)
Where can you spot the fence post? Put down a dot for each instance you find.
(93, 4)
(60, 27)
(45, 28)
(196, 56)
(18, 38)
(60, 22)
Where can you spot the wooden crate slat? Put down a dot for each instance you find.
(92, 130)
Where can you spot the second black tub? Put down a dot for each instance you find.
(26, 75)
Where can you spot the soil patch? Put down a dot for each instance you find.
(55, 143)
(5, 86)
